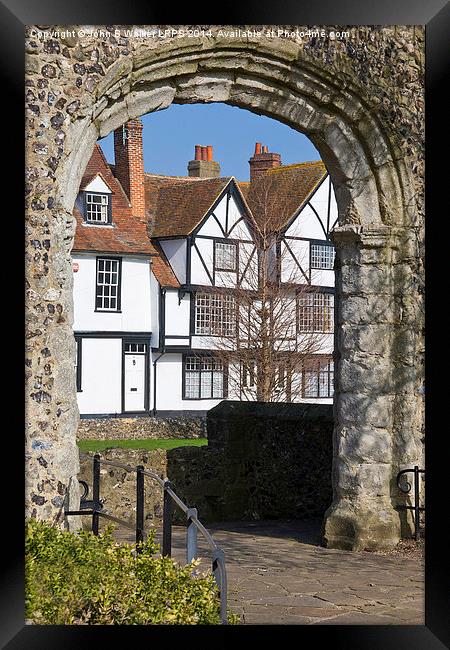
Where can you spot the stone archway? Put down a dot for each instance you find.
(77, 94)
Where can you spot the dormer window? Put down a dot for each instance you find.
(97, 208)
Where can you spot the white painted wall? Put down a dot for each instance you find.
(177, 313)
(101, 376)
(198, 273)
(322, 277)
(135, 315)
(97, 184)
(154, 303)
(307, 224)
(175, 251)
(211, 228)
(290, 272)
(241, 230)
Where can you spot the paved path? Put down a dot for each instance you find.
(278, 574)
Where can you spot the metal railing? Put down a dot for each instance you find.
(193, 525)
(406, 489)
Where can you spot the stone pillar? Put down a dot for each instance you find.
(367, 454)
(51, 453)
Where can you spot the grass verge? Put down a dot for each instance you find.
(146, 443)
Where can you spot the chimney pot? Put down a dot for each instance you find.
(203, 166)
(262, 161)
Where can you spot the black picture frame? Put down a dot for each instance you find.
(435, 15)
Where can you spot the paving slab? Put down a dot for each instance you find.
(278, 574)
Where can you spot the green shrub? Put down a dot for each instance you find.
(83, 579)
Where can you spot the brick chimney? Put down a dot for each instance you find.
(203, 166)
(129, 164)
(262, 160)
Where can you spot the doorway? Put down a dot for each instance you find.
(135, 376)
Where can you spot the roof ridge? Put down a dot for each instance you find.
(308, 163)
(188, 179)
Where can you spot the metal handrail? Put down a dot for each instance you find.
(416, 507)
(192, 522)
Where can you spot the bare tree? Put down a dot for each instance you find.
(271, 326)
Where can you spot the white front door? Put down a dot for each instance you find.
(134, 377)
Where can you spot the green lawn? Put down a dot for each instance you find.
(146, 443)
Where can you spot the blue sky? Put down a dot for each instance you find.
(171, 135)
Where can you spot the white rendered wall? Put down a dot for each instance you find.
(290, 272)
(307, 224)
(154, 302)
(135, 315)
(101, 376)
(97, 184)
(175, 251)
(177, 313)
(198, 273)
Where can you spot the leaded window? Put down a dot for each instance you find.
(97, 208)
(107, 297)
(215, 314)
(203, 378)
(318, 378)
(225, 256)
(316, 312)
(322, 256)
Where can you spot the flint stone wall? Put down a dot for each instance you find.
(140, 428)
(263, 461)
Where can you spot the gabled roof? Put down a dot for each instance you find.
(176, 205)
(128, 234)
(277, 195)
(88, 178)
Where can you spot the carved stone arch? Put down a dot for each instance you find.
(378, 418)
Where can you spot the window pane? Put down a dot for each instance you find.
(97, 208)
(322, 256)
(218, 384)
(214, 314)
(316, 312)
(107, 291)
(310, 384)
(192, 384)
(206, 384)
(225, 256)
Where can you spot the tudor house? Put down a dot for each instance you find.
(149, 252)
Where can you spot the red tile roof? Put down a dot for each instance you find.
(162, 269)
(276, 196)
(176, 204)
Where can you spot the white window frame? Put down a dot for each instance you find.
(102, 208)
(108, 284)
